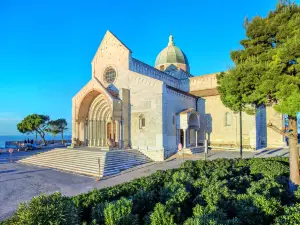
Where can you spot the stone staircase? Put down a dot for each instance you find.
(193, 150)
(85, 161)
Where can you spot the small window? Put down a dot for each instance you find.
(142, 122)
(227, 119)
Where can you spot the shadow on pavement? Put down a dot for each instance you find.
(7, 171)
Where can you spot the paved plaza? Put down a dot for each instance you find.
(19, 182)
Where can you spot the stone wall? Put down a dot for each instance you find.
(173, 102)
(203, 82)
(274, 139)
(221, 134)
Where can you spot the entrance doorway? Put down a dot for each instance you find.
(111, 130)
(181, 136)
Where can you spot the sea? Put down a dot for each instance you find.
(26, 137)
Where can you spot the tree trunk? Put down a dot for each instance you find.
(294, 154)
(62, 137)
(43, 139)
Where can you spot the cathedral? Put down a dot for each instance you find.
(128, 104)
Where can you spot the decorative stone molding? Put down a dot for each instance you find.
(142, 68)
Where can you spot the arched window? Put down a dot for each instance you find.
(142, 122)
(227, 119)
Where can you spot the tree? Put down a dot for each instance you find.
(62, 126)
(267, 72)
(53, 128)
(34, 122)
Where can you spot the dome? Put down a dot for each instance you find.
(172, 55)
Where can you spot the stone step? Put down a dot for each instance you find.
(107, 157)
(85, 166)
(79, 170)
(85, 153)
(86, 162)
(82, 170)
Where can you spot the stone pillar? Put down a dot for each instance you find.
(196, 132)
(94, 132)
(121, 134)
(77, 130)
(117, 131)
(86, 133)
(101, 132)
(98, 133)
(112, 129)
(184, 138)
(81, 131)
(188, 137)
(105, 138)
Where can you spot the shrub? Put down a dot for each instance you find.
(239, 191)
(161, 216)
(51, 209)
(291, 215)
(119, 213)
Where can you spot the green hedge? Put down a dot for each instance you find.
(249, 191)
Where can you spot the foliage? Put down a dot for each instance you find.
(62, 127)
(52, 209)
(34, 123)
(53, 128)
(267, 69)
(266, 72)
(239, 191)
(161, 216)
(119, 213)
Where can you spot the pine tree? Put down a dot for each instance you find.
(267, 72)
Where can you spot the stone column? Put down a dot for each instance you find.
(94, 132)
(105, 137)
(89, 132)
(86, 133)
(121, 134)
(196, 132)
(77, 130)
(81, 131)
(112, 130)
(97, 133)
(188, 137)
(100, 132)
(184, 138)
(117, 131)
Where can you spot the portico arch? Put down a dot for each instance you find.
(94, 109)
(188, 125)
(193, 128)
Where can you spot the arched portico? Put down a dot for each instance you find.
(188, 125)
(101, 125)
(97, 119)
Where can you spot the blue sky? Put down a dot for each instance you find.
(46, 47)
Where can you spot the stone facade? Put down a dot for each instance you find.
(129, 104)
